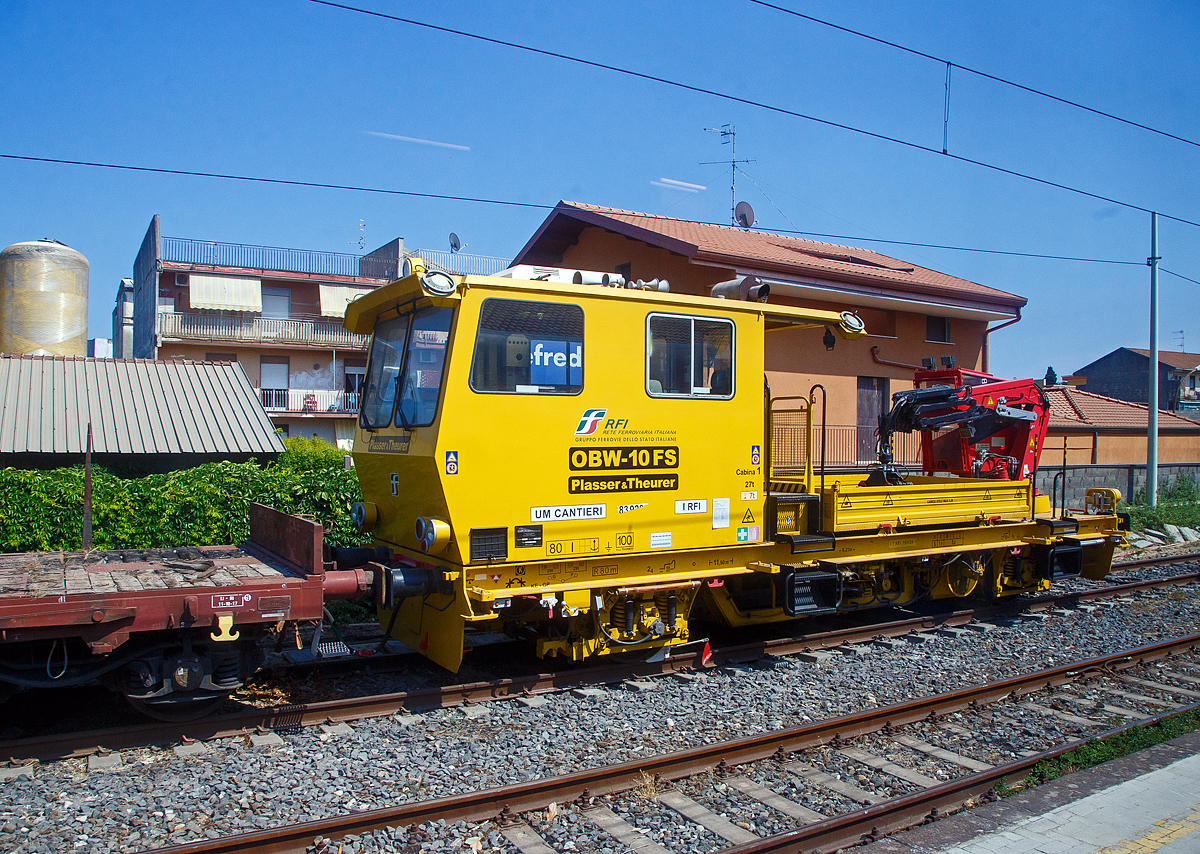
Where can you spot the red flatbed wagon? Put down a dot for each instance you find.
(175, 630)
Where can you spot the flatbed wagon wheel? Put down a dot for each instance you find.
(178, 711)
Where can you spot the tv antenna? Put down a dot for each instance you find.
(728, 137)
(362, 237)
(1182, 341)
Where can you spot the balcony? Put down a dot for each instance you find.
(257, 330)
(309, 401)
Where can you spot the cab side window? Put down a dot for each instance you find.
(379, 388)
(689, 356)
(527, 347)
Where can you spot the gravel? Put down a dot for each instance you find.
(158, 799)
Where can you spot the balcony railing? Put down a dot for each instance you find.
(207, 327)
(462, 264)
(308, 400)
(183, 250)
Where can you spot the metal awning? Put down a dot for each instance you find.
(135, 407)
(335, 298)
(344, 430)
(225, 293)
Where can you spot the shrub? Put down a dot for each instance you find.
(206, 505)
(1178, 504)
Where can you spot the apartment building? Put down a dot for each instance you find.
(275, 312)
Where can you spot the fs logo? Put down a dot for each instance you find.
(590, 421)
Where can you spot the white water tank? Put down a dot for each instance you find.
(43, 299)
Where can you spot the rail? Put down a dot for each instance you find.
(60, 745)
(830, 834)
(309, 400)
(211, 327)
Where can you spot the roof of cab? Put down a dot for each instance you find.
(361, 313)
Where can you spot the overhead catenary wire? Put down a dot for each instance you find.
(191, 173)
(1040, 255)
(951, 64)
(540, 206)
(1178, 275)
(751, 103)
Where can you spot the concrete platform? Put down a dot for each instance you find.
(1147, 803)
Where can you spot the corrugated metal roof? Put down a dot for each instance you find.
(135, 406)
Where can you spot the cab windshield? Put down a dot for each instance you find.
(408, 354)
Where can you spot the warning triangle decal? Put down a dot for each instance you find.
(887, 500)
(748, 518)
(846, 502)
(987, 495)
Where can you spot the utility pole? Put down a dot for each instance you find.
(1152, 433)
(728, 137)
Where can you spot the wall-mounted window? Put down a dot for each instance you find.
(937, 329)
(273, 381)
(526, 347)
(689, 356)
(276, 303)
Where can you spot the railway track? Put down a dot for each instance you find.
(1118, 680)
(291, 717)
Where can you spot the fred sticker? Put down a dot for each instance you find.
(755, 455)
(451, 462)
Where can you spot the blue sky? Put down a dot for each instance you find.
(290, 89)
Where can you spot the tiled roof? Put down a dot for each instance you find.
(768, 252)
(1183, 361)
(1071, 407)
(135, 406)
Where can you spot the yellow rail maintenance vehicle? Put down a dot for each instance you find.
(593, 461)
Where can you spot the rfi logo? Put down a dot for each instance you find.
(395, 484)
(451, 462)
(590, 421)
(754, 455)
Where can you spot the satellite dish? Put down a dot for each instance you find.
(744, 214)
(455, 243)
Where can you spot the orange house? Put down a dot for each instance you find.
(910, 312)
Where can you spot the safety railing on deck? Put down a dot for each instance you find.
(212, 327)
(310, 400)
(846, 446)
